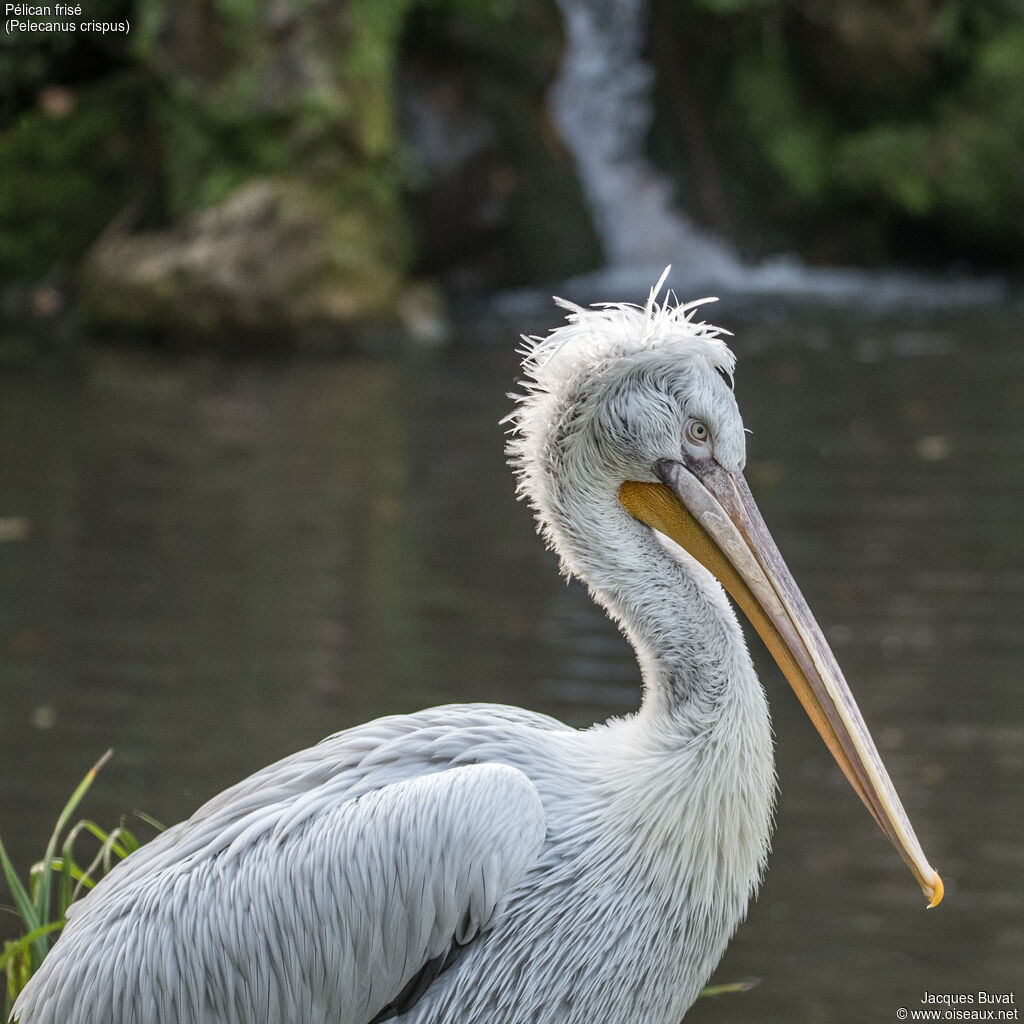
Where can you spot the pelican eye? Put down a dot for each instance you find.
(696, 432)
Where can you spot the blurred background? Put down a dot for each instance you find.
(263, 268)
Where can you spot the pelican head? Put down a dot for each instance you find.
(628, 422)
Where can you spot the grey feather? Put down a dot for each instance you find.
(367, 887)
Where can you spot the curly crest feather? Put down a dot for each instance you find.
(570, 367)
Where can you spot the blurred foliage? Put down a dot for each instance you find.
(895, 118)
(958, 151)
(65, 172)
(69, 142)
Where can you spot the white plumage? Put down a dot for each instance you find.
(482, 863)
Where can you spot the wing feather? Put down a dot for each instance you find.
(307, 892)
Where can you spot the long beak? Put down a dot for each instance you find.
(711, 514)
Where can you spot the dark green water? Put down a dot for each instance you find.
(209, 563)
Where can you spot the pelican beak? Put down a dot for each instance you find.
(710, 513)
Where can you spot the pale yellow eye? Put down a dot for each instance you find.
(697, 432)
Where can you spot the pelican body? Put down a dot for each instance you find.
(487, 864)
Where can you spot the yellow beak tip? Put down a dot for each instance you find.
(937, 890)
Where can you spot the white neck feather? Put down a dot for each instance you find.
(702, 699)
(693, 771)
(675, 614)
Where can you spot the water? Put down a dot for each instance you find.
(208, 563)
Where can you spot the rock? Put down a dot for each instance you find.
(273, 202)
(276, 254)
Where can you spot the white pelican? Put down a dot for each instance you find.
(482, 864)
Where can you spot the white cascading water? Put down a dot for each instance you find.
(601, 106)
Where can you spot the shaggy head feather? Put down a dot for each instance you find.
(605, 395)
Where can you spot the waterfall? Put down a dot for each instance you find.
(601, 105)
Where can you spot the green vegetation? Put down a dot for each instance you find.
(54, 883)
(65, 174)
(872, 130)
(306, 91)
(728, 988)
(942, 141)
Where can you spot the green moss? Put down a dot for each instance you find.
(237, 103)
(941, 141)
(891, 159)
(370, 60)
(796, 141)
(207, 155)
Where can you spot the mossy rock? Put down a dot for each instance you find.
(266, 88)
(277, 254)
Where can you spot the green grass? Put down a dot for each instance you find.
(710, 991)
(55, 882)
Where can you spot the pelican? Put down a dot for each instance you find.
(484, 864)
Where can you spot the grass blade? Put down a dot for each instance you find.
(20, 946)
(43, 893)
(65, 890)
(77, 875)
(119, 841)
(733, 986)
(151, 821)
(18, 891)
